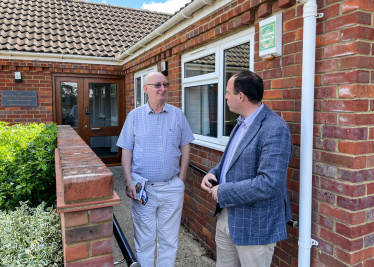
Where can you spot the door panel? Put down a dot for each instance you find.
(94, 107)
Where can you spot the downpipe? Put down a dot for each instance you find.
(306, 145)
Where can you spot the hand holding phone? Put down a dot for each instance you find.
(213, 182)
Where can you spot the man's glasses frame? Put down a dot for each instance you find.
(158, 85)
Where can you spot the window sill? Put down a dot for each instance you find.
(215, 146)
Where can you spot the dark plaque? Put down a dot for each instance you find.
(19, 99)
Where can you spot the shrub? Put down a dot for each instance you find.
(27, 171)
(30, 237)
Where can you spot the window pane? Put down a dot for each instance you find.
(104, 146)
(103, 104)
(138, 92)
(200, 66)
(69, 104)
(201, 109)
(236, 59)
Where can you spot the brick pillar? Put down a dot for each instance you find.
(85, 200)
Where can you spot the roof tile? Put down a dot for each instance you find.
(73, 26)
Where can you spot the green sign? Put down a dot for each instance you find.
(267, 36)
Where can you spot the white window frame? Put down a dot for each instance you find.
(219, 142)
(141, 74)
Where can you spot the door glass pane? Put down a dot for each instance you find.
(236, 59)
(200, 66)
(104, 146)
(201, 109)
(69, 103)
(138, 91)
(103, 104)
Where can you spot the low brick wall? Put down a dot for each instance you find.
(85, 200)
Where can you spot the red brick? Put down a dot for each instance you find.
(248, 18)
(273, 94)
(355, 176)
(356, 119)
(330, 261)
(88, 233)
(356, 90)
(343, 161)
(293, 24)
(264, 11)
(369, 263)
(348, 20)
(102, 247)
(371, 133)
(347, 49)
(97, 262)
(350, 5)
(293, 47)
(358, 32)
(345, 189)
(283, 105)
(272, 74)
(356, 257)
(282, 83)
(286, 3)
(325, 118)
(76, 252)
(76, 218)
(322, 195)
(357, 62)
(342, 215)
(356, 148)
(356, 76)
(355, 231)
(294, 70)
(292, 116)
(355, 204)
(287, 38)
(326, 66)
(102, 215)
(322, 220)
(327, 39)
(345, 105)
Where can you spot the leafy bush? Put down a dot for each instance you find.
(30, 237)
(27, 171)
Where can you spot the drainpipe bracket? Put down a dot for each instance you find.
(319, 15)
(313, 242)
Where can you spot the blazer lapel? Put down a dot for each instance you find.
(250, 133)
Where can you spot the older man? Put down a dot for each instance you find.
(252, 194)
(155, 142)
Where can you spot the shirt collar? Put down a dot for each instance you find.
(250, 118)
(150, 110)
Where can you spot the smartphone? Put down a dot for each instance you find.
(213, 182)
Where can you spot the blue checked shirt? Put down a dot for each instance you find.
(155, 140)
(244, 123)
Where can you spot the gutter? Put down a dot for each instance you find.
(306, 143)
(59, 57)
(181, 15)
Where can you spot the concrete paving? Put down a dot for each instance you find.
(190, 251)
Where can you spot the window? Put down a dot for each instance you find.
(140, 97)
(206, 72)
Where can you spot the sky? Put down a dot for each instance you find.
(166, 6)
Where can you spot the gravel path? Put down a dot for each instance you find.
(189, 252)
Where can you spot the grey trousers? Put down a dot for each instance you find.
(231, 255)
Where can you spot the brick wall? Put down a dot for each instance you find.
(37, 76)
(343, 161)
(85, 200)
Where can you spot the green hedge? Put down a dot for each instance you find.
(27, 171)
(30, 237)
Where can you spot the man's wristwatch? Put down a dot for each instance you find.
(127, 184)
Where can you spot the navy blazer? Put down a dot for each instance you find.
(255, 193)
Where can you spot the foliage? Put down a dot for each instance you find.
(27, 171)
(30, 237)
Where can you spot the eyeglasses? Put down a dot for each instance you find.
(158, 85)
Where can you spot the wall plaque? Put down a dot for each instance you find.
(19, 99)
(270, 32)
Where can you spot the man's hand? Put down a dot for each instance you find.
(213, 192)
(205, 184)
(131, 191)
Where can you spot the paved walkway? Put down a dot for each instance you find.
(189, 251)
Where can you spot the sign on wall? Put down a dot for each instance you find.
(270, 33)
(19, 99)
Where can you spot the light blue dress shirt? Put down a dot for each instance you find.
(244, 124)
(155, 140)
